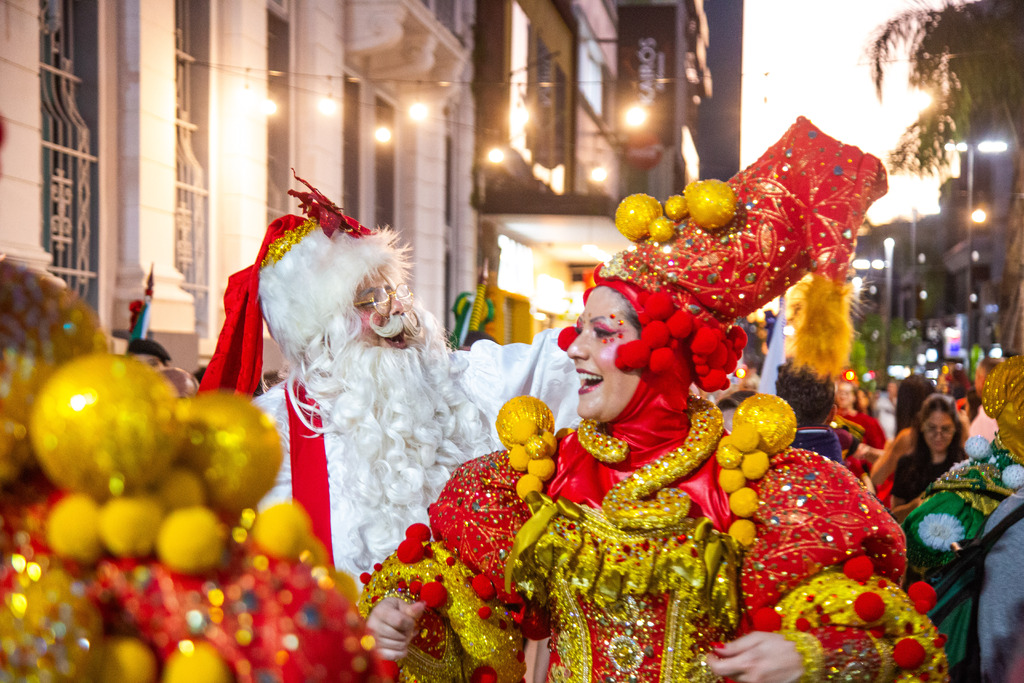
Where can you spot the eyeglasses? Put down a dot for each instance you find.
(948, 430)
(380, 298)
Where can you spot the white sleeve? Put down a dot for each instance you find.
(494, 374)
(275, 404)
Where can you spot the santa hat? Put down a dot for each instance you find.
(723, 250)
(290, 243)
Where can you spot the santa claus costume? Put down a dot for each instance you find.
(373, 421)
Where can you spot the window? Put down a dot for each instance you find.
(279, 176)
(385, 166)
(351, 134)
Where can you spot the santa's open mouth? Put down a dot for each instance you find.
(589, 381)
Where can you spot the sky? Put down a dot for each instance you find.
(807, 57)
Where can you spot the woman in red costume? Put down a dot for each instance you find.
(646, 539)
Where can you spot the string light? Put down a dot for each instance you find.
(268, 107)
(599, 174)
(495, 156)
(382, 134)
(327, 105)
(636, 116)
(418, 111)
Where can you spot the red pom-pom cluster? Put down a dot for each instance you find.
(666, 331)
(859, 568)
(869, 606)
(908, 654)
(923, 595)
(767, 619)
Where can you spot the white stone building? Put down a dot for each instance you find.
(140, 132)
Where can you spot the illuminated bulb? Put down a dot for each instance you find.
(383, 134)
(519, 117)
(979, 216)
(923, 295)
(268, 107)
(327, 105)
(599, 174)
(418, 111)
(636, 116)
(878, 264)
(495, 156)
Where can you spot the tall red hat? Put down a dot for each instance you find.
(237, 362)
(723, 250)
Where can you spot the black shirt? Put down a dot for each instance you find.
(910, 480)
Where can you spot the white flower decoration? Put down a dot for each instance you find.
(939, 530)
(978, 447)
(1013, 476)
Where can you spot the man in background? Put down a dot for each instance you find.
(812, 399)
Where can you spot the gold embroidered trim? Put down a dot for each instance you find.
(279, 247)
(625, 504)
(602, 446)
(811, 652)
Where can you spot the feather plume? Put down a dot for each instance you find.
(819, 311)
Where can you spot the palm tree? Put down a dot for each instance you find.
(969, 56)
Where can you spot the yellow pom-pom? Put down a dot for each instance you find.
(538, 447)
(528, 483)
(346, 585)
(73, 529)
(128, 525)
(675, 207)
(634, 215)
(745, 436)
(744, 531)
(197, 662)
(712, 203)
(662, 229)
(521, 418)
(743, 502)
(234, 446)
(191, 540)
(771, 417)
(728, 455)
(283, 531)
(543, 469)
(518, 458)
(126, 660)
(731, 480)
(181, 488)
(755, 464)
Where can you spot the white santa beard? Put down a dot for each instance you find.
(403, 425)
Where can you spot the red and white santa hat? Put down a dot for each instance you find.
(305, 276)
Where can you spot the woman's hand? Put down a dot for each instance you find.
(393, 624)
(758, 657)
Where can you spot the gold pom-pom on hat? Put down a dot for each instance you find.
(712, 203)
(525, 427)
(675, 207)
(634, 215)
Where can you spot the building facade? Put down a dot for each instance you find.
(161, 135)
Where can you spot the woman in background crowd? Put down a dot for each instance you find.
(910, 397)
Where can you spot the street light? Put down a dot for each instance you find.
(889, 243)
(984, 147)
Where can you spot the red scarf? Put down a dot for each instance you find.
(309, 470)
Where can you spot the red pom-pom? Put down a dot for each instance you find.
(389, 668)
(719, 357)
(704, 341)
(656, 334)
(483, 674)
(364, 578)
(483, 587)
(869, 606)
(484, 612)
(377, 566)
(410, 551)
(908, 654)
(738, 337)
(633, 356)
(662, 359)
(418, 532)
(803, 625)
(566, 337)
(714, 379)
(434, 594)
(450, 561)
(940, 640)
(644, 319)
(767, 619)
(415, 587)
(680, 325)
(659, 306)
(859, 568)
(877, 631)
(922, 592)
(922, 606)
